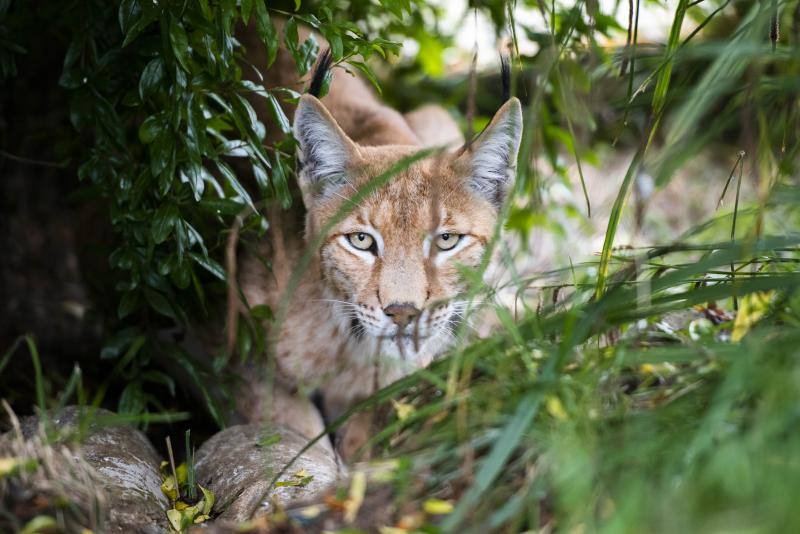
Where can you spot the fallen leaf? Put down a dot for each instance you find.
(437, 507)
(208, 500)
(403, 409)
(11, 466)
(555, 408)
(169, 488)
(752, 308)
(355, 497)
(175, 518)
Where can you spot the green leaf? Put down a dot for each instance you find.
(360, 65)
(244, 341)
(129, 13)
(209, 265)
(180, 43)
(266, 31)
(227, 172)
(133, 21)
(280, 116)
(211, 404)
(159, 303)
(261, 312)
(151, 78)
(150, 129)
(181, 276)
(164, 221)
(162, 155)
(40, 524)
(120, 341)
(159, 377)
(128, 304)
(307, 54)
(337, 47)
(208, 500)
(193, 175)
(280, 183)
(247, 9)
(262, 179)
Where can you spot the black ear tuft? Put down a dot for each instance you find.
(505, 76)
(321, 72)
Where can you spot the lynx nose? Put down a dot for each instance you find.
(401, 314)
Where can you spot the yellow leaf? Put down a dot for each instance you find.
(175, 517)
(647, 368)
(302, 474)
(555, 408)
(310, 512)
(392, 530)
(180, 505)
(183, 473)
(437, 507)
(202, 518)
(355, 497)
(411, 522)
(752, 308)
(169, 488)
(11, 466)
(403, 409)
(40, 523)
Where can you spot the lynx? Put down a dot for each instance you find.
(383, 293)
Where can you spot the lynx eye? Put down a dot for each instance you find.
(447, 241)
(361, 240)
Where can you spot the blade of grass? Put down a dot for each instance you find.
(37, 367)
(662, 83)
(613, 223)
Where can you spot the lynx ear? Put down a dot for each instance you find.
(324, 150)
(493, 155)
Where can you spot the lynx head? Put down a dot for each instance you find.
(391, 265)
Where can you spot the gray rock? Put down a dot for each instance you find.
(237, 465)
(125, 464)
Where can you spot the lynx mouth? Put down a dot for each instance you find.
(405, 337)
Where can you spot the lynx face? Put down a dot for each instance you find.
(391, 265)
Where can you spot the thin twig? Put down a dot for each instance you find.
(172, 464)
(733, 224)
(29, 161)
(234, 302)
(473, 86)
(624, 66)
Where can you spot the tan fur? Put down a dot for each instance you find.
(318, 347)
(434, 127)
